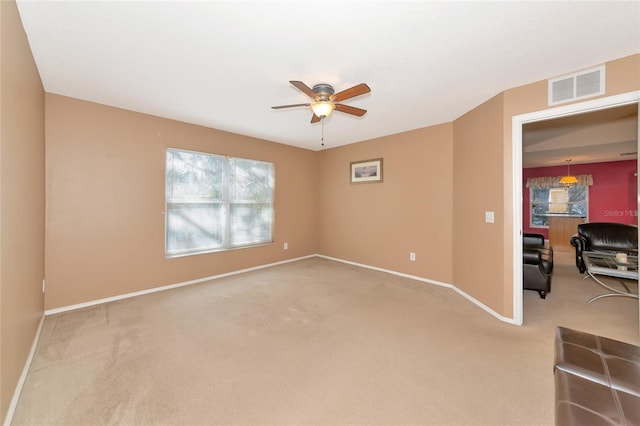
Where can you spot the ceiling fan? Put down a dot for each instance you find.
(325, 101)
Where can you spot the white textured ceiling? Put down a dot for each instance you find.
(223, 64)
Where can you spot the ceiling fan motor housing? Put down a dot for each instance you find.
(324, 91)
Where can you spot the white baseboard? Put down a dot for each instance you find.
(213, 277)
(18, 390)
(426, 280)
(166, 287)
(388, 271)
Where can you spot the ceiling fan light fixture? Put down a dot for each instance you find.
(322, 109)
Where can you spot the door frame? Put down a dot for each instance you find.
(516, 127)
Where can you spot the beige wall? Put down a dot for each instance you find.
(466, 165)
(22, 200)
(105, 192)
(478, 249)
(378, 224)
(102, 158)
(622, 76)
(483, 147)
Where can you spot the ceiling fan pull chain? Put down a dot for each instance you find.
(322, 136)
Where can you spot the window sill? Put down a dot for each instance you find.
(218, 250)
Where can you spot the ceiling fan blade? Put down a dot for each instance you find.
(351, 110)
(358, 90)
(304, 89)
(314, 119)
(290, 106)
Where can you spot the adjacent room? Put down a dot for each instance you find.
(235, 212)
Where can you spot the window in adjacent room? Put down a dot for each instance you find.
(215, 202)
(572, 200)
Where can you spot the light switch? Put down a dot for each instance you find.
(488, 217)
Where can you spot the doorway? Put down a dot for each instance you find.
(517, 200)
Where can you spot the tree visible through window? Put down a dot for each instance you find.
(216, 203)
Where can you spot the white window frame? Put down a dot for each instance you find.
(226, 204)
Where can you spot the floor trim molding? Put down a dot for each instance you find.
(166, 287)
(23, 376)
(429, 281)
(240, 271)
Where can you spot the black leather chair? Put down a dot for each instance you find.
(532, 241)
(604, 237)
(537, 264)
(534, 276)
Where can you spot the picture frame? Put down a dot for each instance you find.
(366, 171)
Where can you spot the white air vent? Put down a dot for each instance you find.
(583, 84)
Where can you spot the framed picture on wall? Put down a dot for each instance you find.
(367, 171)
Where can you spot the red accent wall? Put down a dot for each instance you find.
(612, 198)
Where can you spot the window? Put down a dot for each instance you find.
(573, 200)
(216, 203)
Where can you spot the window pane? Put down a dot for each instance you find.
(539, 209)
(250, 180)
(539, 205)
(250, 223)
(193, 227)
(539, 221)
(558, 200)
(579, 209)
(194, 176)
(577, 193)
(539, 195)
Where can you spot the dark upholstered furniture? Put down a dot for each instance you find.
(597, 380)
(606, 237)
(537, 264)
(534, 276)
(536, 241)
(533, 240)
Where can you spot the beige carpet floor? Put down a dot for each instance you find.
(314, 342)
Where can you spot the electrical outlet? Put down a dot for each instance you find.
(286, 246)
(412, 256)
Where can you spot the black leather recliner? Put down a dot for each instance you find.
(537, 264)
(604, 237)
